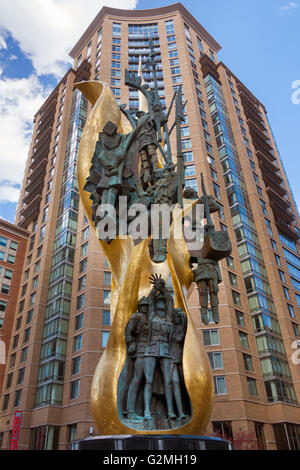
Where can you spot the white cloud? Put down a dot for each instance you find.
(9, 194)
(13, 57)
(48, 29)
(3, 44)
(19, 101)
(289, 6)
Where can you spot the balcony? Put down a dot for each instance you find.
(264, 162)
(35, 190)
(37, 174)
(280, 200)
(47, 119)
(209, 68)
(259, 131)
(287, 229)
(45, 109)
(42, 156)
(281, 213)
(46, 138)
(30, 212)
(83, 73)
(271, 182)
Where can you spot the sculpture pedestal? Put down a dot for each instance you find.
(154, 443)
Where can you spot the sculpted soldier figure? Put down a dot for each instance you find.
(147, 146)
(178, 337)
(136, 335)
(107, 171)
(157, 352)
(207, 276)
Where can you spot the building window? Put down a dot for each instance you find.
(248, 362)
(21, 375)
(79, 321)
(24, 355)
(5, 289)
(169, 27)
(286, 293)
(74, 389)
(83, 265)
(82, 283)
(107, 278)
(77, 343)
(29, 316)
(296, 329)
(252, 386)
(8, 274)
(240, 318)
(106, 321)
(217, 191)
(80, 301)
(190, 170)
(216, 360)
(3, 305)
(244, 339)
(18, 397)
(106, 296)
(192, 183)
(211, 337)
(5, 402)
(236, 297)
(32, 298)
(188, 157)
(9, 380)
(18, 324)
(11, 259)
(27, 335)
(76, 363)
(116, 30)
(220, 385)
(268, 224)
(15, 341)
(291, 310)
(84, 248)
(85, 233)
(3, 241)
(105, 336)
(232, 279)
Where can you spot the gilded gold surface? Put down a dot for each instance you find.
(131, 267)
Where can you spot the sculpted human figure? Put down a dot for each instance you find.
(107, 172)
(136, 335)
(207, 277)
(157, 352)
(178, 337)
(146, 137)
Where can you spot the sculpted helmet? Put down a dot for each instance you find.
(143, 301)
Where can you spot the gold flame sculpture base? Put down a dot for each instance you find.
(131, 267)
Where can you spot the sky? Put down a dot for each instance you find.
(260, 44)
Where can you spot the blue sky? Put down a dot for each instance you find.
(260, 44)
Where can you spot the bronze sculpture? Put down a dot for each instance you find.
(154, 340)
(146, 371)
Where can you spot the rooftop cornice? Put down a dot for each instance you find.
(142, 14)
(13, 228)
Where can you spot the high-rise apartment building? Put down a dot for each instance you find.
(63, 316)
(13, 241)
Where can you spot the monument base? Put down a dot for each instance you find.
(154, 442)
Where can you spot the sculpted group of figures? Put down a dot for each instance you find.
(153, 383)
(139, 165)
